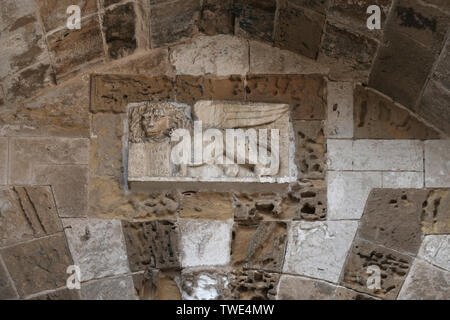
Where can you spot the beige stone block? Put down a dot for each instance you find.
(298, 288)
(437, 163)
(340, 110)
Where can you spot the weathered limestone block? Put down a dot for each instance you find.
(205, 242)
(25, 153)
(59, 294)
(425, 282)
(107, 199)
(61, 111)
(206, 205)
(255, 18)
(151, 147)
(97, 247)
(259, 246)
(403, 179)
(216, 17)
(310, 149)
(220, 55)
(393, 267)
(28, 82)
(119, 27)
(74, 51)
(112, 93)
(305, 93)
(291, 20)
(255, 285)
(38, 265)
(401, 68)
(120, 288)
(265, 59)
(437, 164)
(312, 200)
(392, 219)
(342, 293)
(319, 249)
(173, 21)
(339, 110)
(436, 212)
(378, 117)
(436, 250)
(22, 43)
(191, 89)
(349, 54)
(54, 14)
(152, 244)
(157, 285)
(205, 285)
(13, 10)
(7, 290)
(4, 155)
(356, 184)
(297, 288)
(339, 154)
(70, 187)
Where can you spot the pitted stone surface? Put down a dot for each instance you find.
(340, 110)
(97, 247)
(310, 149)
(152, 244)
(319, 249)
(436, 212)
(155, 284)
(255, 285)
(205, 243)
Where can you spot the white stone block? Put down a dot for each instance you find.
(398, 179)
(265, 59)
(340, 110)
(97, 247)
(436, 250)
(200, 285)
(121, 288)
(220, 55)
(319, 249)
(348, 192)
(339, 154)
(388, 155)
(205, 242)
(437, 163)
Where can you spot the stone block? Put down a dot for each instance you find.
(265, 59)
(25, 153)
(53, 12)
(255, 285)
(259, 246)
(436, 212)
(392, 219)
(396, 180)
(174, 21)
(401, 68)
(378, 117)
(320, 6)
(437, 163)
(348, 192)
(74, 51)
(425, 282)
(206, 205)
(291, 20)
(343, 293)
(348, 54)
(13, 10)
(70, 187)
(339, 110)
(205, 243)
(255, 18)
(436, 250)
(7, 290)
(120, 288)
(216, 17)
(97, 247)
(312, 200)
(205, 285)
(297, 288)
(157, 285)
(4, 156)
(393, 268)
(220, 55)
(191, 89)
(319, 249)
(249, 209)
(339, 154)
(310, 149)
(119, 27)
(152, 244)
(60, 294)
(38, 265)
(112, 93)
